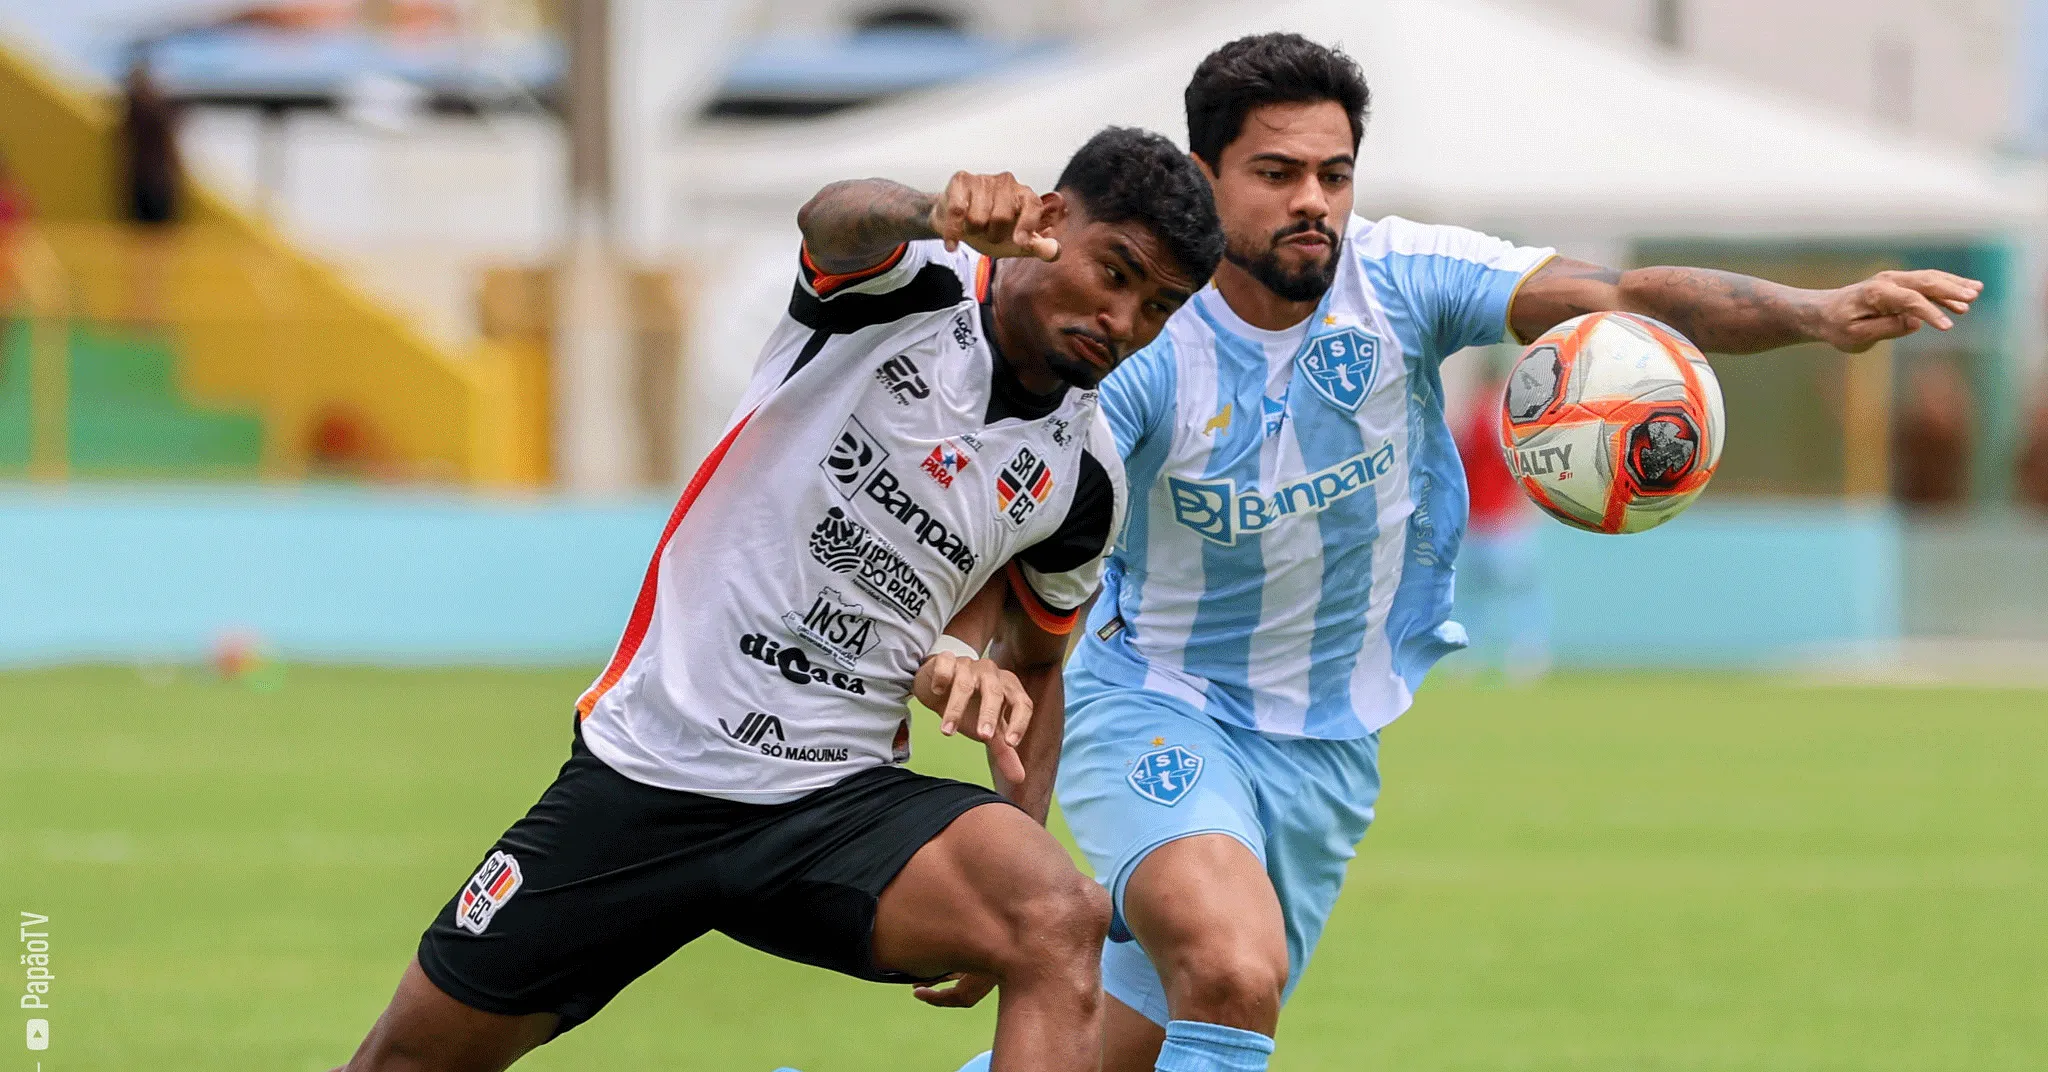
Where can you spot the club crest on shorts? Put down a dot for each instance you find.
(1164, 775)
(493, 884)
(1340, 366)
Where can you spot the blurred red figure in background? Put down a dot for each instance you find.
(1500, 585)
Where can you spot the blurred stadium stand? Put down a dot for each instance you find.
(367, 289)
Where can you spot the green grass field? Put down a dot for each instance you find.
(1602, 873)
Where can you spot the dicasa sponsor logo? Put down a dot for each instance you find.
(1220, 513)
(844, 545)
(1541, 461)
(755, 730)
(1023, 485)
(900, 376)
(838, 627)
(795, 666)
(944, 462)
(890, 494)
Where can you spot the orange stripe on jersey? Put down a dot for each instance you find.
(825, 282)
(1058, 623)
(982, 272)
(643, 607)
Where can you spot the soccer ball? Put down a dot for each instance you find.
(1612, 422)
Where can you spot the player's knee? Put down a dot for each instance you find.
(1060, 926)
(1227, 982)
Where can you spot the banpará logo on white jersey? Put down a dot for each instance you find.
(844, 545)
(889, 493)
(854, 456)
(1220, 513)
(836, 626)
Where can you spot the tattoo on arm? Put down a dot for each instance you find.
(853, 224)
(1722, 312)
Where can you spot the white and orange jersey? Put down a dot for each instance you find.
(882, 466)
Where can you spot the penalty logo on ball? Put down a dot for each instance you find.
(1662, 449)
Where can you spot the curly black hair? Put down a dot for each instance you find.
(1272, 68)
(1124, 173)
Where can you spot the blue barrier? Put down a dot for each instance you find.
(332, 575)
(368, 576)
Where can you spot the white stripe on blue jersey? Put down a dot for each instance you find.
(1296, 498)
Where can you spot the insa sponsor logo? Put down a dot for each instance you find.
(1023, 485)
(855, 454)
(900, 375)
(1220, 513)
(844, 545)
(890, 494)
(795, 666)
(838, 627)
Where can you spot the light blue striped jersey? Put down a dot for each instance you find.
(1296, 498)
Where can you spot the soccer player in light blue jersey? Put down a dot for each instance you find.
(1284, 580)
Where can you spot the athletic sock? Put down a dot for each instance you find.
(1193, 1046)
(980, 1062)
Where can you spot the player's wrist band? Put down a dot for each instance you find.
(952, 645)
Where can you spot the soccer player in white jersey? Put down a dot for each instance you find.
(1284, 580)
(922, 430)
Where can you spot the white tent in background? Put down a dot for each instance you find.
(1481, 116)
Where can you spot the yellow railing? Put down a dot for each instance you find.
(256, 322)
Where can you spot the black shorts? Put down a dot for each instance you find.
(605, 877)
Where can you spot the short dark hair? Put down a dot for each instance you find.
(1272, 68)
(1124, 174)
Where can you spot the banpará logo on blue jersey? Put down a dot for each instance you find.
(1164, 775)
(1220, 513)
(1340, 366)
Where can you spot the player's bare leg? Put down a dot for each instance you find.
(1205, 912)
(995, 895)
(425, 1030)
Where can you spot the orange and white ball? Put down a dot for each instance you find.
(1612, 422)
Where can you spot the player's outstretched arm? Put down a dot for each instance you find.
(1728, 313)
(856, 223)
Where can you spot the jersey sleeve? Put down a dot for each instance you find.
(1137, 397)
(1460, 283)
(904, 267)
(1055, 577)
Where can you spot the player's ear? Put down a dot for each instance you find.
(1052, 211)
(1207, 173)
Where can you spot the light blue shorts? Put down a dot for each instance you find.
(1139, 769)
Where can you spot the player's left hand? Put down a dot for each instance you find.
(1893, 304)
(966, 992)
(951, 684)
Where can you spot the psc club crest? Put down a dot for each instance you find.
(1164, 775)
(1340, 366)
